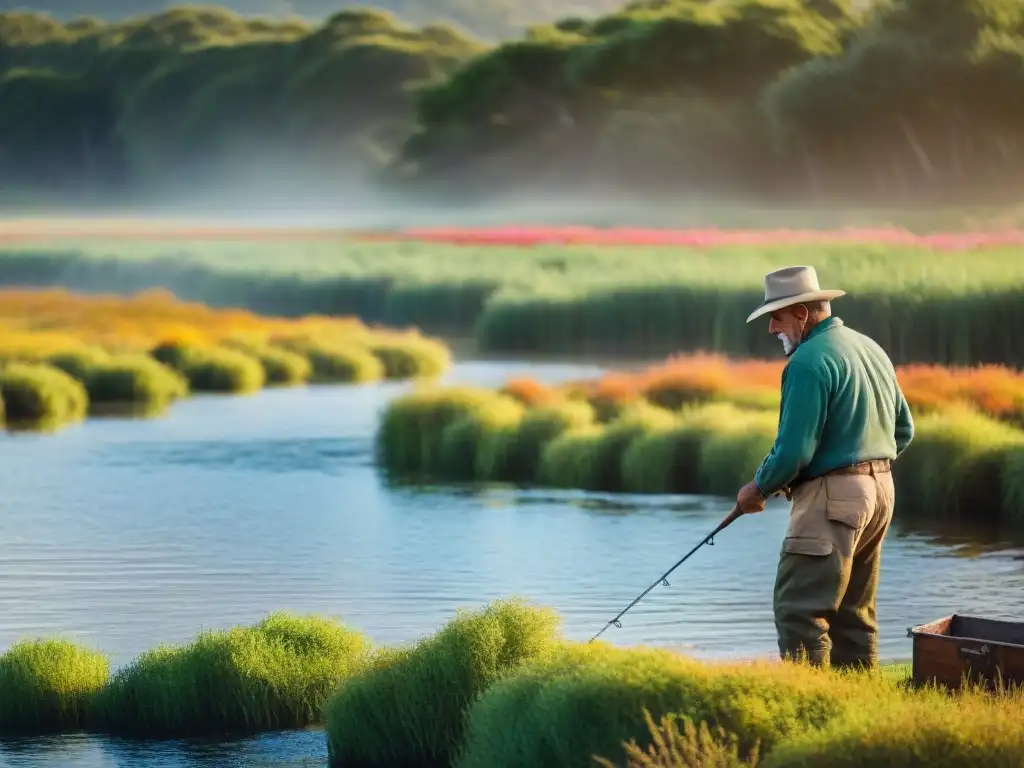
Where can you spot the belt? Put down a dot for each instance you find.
(872, 467)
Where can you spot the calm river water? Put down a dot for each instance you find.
(126, 534)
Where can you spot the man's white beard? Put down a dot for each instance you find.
(787, 344)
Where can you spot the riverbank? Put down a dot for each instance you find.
(496, 686)
(701, 426)
(624, 301)
(66, 356)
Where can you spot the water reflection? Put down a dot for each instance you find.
(289, 749)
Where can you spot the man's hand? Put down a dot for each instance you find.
(749, 498)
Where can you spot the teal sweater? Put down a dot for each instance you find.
(841, 404)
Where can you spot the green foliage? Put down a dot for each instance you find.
(931, 730)
(212, 369)
(412, 357)
(38, 396)
(80, 362)
(411, 433)
(343, 363)
(134, 380)
(961, 464)
(281, 367)
(409, 706)
(463, 452)
(48, 685)
(514, 453)
(273, 675)
(921, 304)
(591, 697)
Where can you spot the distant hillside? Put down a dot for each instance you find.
(910, 100)
(492, 19)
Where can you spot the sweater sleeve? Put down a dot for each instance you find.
(904, 431)
(801, 420)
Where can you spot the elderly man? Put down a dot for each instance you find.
(842, 421)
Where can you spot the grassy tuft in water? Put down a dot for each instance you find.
(961, 465)
(48, 685)
(212, 368)
(463, 454)
(79, 362)
(591, 457)
(410, 435)
(134, 381)
(409, 706)
(334, 362)
(273, 675)
(281, 367)
(514, 454)
(38, 396)
(411, 357)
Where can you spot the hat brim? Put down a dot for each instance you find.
(771, 306)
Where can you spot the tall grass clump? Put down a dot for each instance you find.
(686, 747)
(514, 454)
(273, 675)
(135, 382)
(961, 464)
(928, 729)
(591, 698)
(49, 685)
(409, 437)
(337, 362)
(212, 369)
(411, 356)
(38, 396)
(409, 707)
(79, 362)
(463, 454)
(281, 367)
(592, 459)
(693, 455)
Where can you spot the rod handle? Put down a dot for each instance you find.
(731, 518)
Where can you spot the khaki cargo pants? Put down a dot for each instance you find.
(828, 571)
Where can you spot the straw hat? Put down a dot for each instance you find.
(792, 285)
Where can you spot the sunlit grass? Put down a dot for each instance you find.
(409, 706)
(578, 298)
(40, 397)
(273, 675)
(962, 463)
(48, 685)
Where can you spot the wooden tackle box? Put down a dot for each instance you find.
(982, 650)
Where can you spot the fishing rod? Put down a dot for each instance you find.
(709, 540)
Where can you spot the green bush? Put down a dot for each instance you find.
(591, 698)
(411, 357)
(514, 454)
(282, 367)
(462, 456)
(134, 381)
(212, 369)
(410, 434)
(79, 362)
(273, 675)
(48, 685)
(38, 396)
(935, 730)
(338, 362)
(409, 706)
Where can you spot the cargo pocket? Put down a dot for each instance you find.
(809, 532)
(850, 499)
(803, 546)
